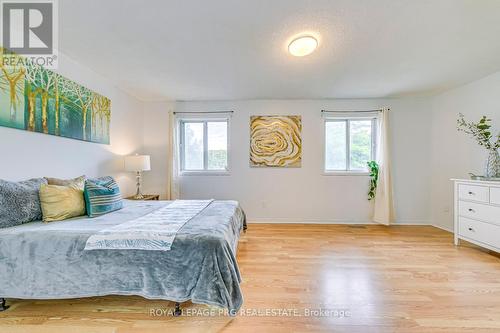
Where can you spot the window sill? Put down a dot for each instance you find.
(205, 173)
(346, 173)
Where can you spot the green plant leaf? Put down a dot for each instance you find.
(374, 168)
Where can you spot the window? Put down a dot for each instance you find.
(204, 145)
(349, 144)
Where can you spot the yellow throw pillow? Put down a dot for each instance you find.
(78, 183)
(61, 202)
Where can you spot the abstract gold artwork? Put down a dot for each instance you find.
(275, 141)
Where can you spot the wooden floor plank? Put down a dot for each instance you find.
(376, 278)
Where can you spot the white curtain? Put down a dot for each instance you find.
(173, 158)
(384, 204)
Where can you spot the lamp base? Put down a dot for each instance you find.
(138, 195)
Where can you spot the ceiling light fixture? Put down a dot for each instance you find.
(302, 46)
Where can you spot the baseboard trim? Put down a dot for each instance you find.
(295, 221)
(442, 228)
(335, 221)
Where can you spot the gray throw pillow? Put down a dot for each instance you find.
(19, 202)
(101, 180)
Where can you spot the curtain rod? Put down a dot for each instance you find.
(204, 112)
(345, 111)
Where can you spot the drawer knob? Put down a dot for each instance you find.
(471, 193)
(472, 210)
(470, 229)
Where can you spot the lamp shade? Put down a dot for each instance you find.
(137, 163)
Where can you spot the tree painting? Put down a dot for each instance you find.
(39, 100)
(12, 75)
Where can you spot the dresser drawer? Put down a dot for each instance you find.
(479, 211)
(474, 192)
(495, 195)
(480, 231)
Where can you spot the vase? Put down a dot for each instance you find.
(492, 168)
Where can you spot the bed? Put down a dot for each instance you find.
(48, 261)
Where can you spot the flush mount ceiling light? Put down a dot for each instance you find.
(302, 46)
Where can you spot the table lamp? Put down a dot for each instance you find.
(138, 164)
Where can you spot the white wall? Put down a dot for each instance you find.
(156, 140)
(455, 154)
(26, 154)
(305, 194)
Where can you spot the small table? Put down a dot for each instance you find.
(147, 197)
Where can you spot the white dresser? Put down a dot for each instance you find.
(477, 213)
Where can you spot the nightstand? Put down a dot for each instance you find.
(147, 197)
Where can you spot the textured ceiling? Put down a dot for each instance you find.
(236, 49)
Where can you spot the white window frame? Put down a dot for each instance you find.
(181, 151)
(347, 119)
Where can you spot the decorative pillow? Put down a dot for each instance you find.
(102, 196)
(19, 202)
(101, 180)
(61, 202)
(78, 182)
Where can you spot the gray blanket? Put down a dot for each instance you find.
(48, 261)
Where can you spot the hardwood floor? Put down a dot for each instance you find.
(378, 279)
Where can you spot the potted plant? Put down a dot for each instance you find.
(481, 132)
(373, 167)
